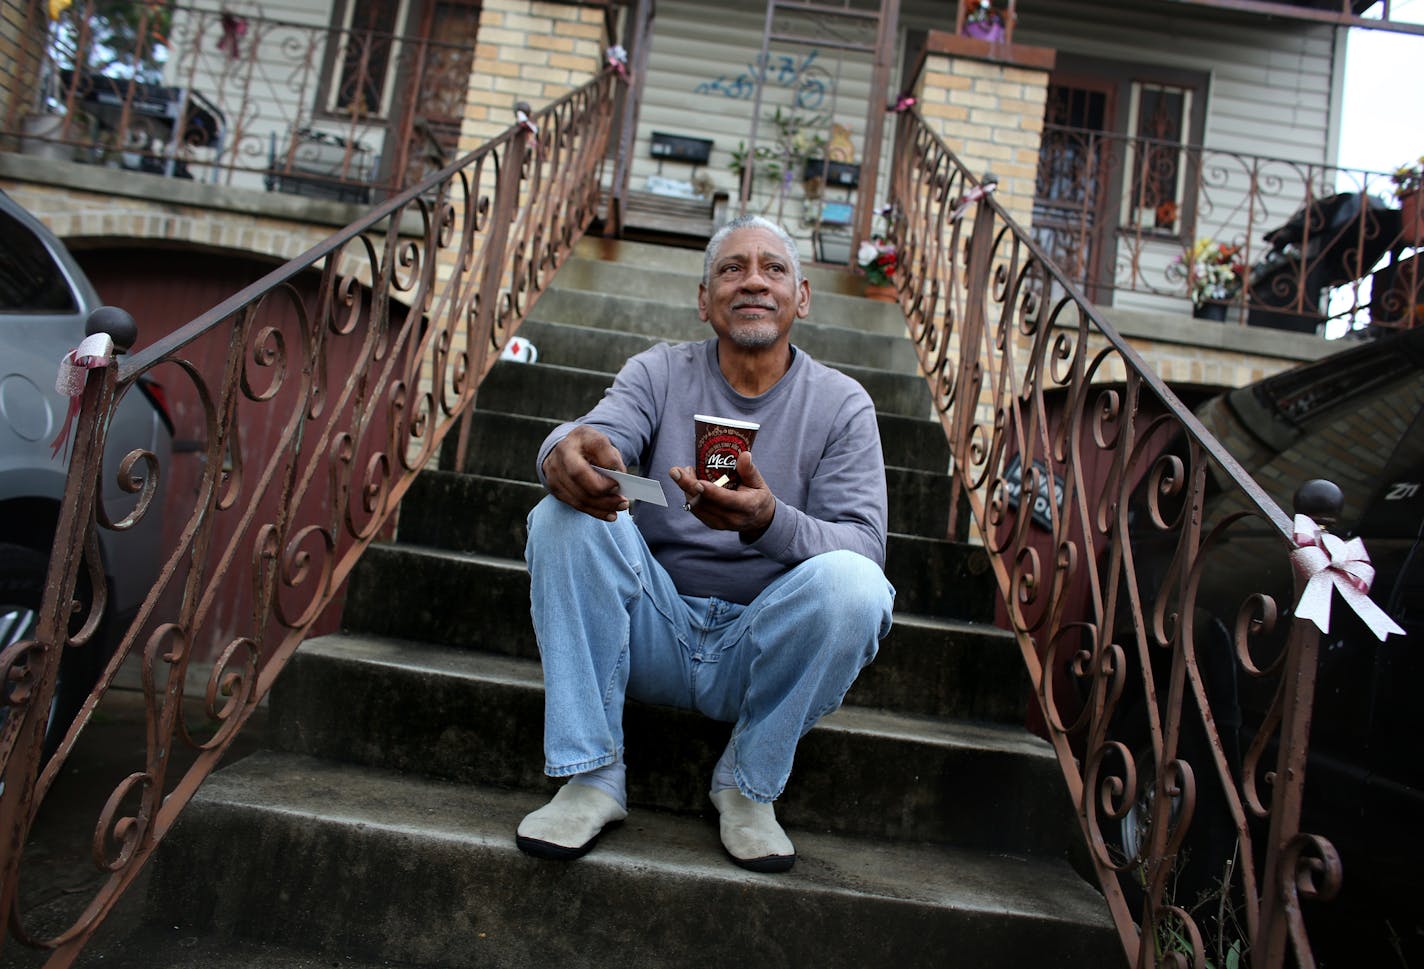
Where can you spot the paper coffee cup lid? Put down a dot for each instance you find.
(728, 422)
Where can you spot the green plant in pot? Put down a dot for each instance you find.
(797, 139)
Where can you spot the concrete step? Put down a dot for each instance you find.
(644, 257)
(395, 576)
(568, 331)
(479, 718)
(623, 313)
(546, 390)
(504, 445)
(369, 865)
(473, 512)
(162, 944)
(928, 664)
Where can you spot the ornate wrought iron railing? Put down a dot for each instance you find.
(1303, 243)
(415, 300)
(345, 112)
(1119, 528)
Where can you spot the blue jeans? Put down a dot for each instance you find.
(611, 624)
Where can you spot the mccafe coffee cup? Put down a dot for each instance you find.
(719, 441)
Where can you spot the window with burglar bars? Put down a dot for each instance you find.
(1156, 158)
(1114, 162)
(361, 69)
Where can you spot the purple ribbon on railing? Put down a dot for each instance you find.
(905, 103)
(93, 352)
(970, 197)
(618, 60)
(1325, 562)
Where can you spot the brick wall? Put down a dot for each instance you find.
(986, 102)
(79, 215)
(534, 52)
(20, 44)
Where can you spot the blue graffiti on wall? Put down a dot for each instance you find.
(811, 83)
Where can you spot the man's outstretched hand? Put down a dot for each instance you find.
(748, 510)
(571, 477)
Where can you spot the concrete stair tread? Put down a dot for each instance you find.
(687, 263)
(413, 808)
(508, 441)
(830, 343)
(431, 660)
(166, 946)
(851, 370)
(565, 392)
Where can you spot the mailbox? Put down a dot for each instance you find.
(681, 148)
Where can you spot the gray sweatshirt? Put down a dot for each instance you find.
(818, 450)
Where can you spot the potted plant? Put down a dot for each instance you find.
(876, 258)
(981, 20)
(1409, 189)
(1214, 271)
(797, 141)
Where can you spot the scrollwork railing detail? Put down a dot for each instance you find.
(1094, 492)
(354, 361)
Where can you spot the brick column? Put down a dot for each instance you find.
(528, 51)
(22, 39)
(986, 101)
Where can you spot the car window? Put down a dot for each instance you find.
(30, 279)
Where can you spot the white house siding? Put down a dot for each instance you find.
(1269, 96)
(701, 66)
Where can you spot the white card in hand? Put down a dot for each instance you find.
(635, 488)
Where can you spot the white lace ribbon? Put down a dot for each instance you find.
(1325, 563)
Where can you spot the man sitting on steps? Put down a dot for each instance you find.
(756, 605)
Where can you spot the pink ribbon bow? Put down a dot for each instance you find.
(905, 103)
(1325, 562)
(970, 197)
(618, 60)
(93, 352)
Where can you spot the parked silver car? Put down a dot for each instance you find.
(45, 302)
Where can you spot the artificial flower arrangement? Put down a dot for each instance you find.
(1408, 178)
(1409, 189)
(877, 258)
(982, 20)
(1214, 270)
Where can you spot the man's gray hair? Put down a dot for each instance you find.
(714, 245)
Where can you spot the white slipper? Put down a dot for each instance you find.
(750, 833)
(569, 825)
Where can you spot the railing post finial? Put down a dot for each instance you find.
(1322, 500)
(117, 323)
